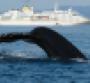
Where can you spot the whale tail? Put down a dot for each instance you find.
(55, 45)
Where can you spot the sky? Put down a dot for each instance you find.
(14, 4)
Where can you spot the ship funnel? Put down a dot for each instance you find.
(27, 10)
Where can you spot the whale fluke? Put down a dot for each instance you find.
(55, 45)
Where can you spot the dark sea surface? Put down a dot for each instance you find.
(42, 71)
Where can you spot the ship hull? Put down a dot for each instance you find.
(27, 22)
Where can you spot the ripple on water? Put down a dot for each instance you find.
(44, 72)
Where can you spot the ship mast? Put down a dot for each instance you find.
(26, 3)
(56, 6)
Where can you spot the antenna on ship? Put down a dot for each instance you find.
(26, 2)
(56, 5)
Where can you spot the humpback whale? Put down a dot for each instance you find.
(55, 45)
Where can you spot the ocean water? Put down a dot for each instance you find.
(40, 71)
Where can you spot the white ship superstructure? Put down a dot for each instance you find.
(27, 16)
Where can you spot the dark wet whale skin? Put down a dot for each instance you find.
(54, 44)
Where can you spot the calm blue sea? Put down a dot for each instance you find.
(12, 71)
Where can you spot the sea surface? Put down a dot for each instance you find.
(40, 71)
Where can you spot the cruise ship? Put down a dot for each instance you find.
(27, 16)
